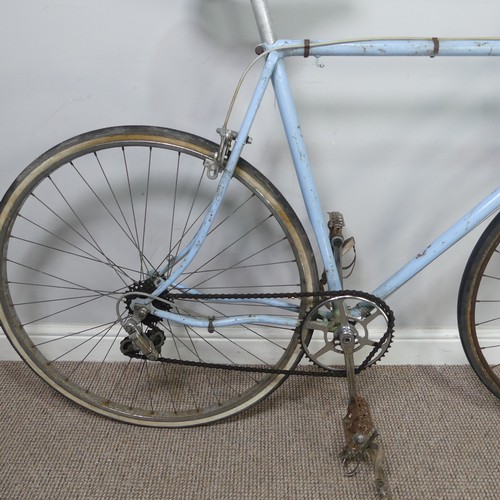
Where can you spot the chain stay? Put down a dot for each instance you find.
(274, 371)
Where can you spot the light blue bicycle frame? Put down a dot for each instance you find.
(274, 70)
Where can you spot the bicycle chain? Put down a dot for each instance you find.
(274, 371)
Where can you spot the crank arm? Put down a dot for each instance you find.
(347, 341)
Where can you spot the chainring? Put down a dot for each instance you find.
(352, 310)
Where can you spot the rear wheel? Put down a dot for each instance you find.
(94, 218)
(479, 307)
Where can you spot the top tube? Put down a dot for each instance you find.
(430, 47)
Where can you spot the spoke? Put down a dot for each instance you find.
(120, 379)
(138, 383)
(175, 340)
(221, 335)
(247, 266)
(59, 299)
(71, 227)
(103, 363)
(95, 245)
(246, 327)
(132, 206)
(146, 205)
(128, 235)
(79, 332)
(64, 241)
(115, 268)
(174, 206)
(119, 291)
(167, 387)
(188, 312)
(186, 229)
(488, 321)
(78, 286)
(51, 315)
(194, 351)
(491, 277)
(79, 345)
(232, 214)
(108, 183)
(150, 386)
(230, 267)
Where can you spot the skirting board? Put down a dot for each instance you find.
(410, 347)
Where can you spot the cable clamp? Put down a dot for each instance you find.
(307, 47)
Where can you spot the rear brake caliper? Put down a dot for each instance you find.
(216, 164)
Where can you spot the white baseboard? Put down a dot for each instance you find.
(425, 347)
(410, 347)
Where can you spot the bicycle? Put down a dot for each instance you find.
(157, 278)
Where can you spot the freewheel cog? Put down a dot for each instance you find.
(367, 318)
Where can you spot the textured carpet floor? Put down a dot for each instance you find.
(440, 428)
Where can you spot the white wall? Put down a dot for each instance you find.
(424, 134)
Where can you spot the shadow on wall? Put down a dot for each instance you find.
(232, 21)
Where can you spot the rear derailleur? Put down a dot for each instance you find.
(149, 342)
(144, 337)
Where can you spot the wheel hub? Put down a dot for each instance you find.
(140, 288)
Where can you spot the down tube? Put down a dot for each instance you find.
(304, 174)
(455, 233)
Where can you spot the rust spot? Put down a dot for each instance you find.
(420, 255)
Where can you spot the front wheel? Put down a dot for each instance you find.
(87, 226)
(479, 307)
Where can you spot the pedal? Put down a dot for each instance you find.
(358, 424)
(377, 455)
(335, 223)
(362, 443)
(340, 245)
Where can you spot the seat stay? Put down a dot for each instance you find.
(241, 139)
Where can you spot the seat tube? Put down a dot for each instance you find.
(264, 21)
(304, 173)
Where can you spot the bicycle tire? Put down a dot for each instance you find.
(479, 307)
(83, 224)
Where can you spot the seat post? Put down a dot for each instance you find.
(264, 21)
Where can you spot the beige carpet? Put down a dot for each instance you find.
(440, 428)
